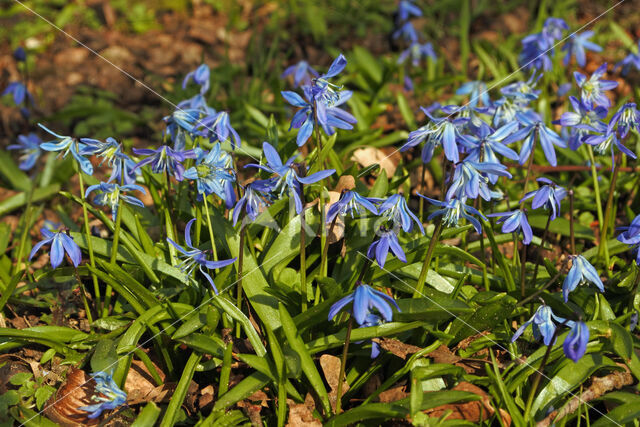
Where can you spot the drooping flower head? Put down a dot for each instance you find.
(407, 9)
(535, 128)
(584, 119)
(18, 92)
(111, 195)
(451, 211)
(257, 196)
(165, 159)
(29, 147)
(443, 131)
(111, 151)
(486, 144)
(626, 118)
(107, 394)
(549, 196)
(542, 324)
(471, 179)
(350, 202)
(477, 91)
(365, 299)
(67, 144)
(195, 257)
(217, 127)
(387, 241)
(396, 210)
(575, 344)
(577, 46)
(302, 73)
(182, 122)
(631, 236)
(200, 76)
(581, 272)
(513, 222)
(287, 175)
(417, 51)
(19, 54)
(60, 243)
(629, 61)
(214, 174)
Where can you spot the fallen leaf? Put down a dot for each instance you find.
(76, 391)
(370, 156)
(398, 348)
(331, 368)
(301, 414)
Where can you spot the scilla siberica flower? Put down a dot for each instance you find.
(417, 51)
(451, 211)
(302, 73)
(627, 117)
(592, 89)
(29, 146)
(288, 179)
(200, 76)
(218, 128)
(584, 119)
(513, 222)
(406, 9)
(18, 91)
(577, 45)
(257, 196)
(548, 196)
(575, 344)
(60, 243)
(439, 131)
(68, 145)
(165, 159)
(608, 141)
(542, 324)
(194, 256)
(395, 209)
(107, 394)
(111, 151)
(471, 179)
(213, 174)
(407, 32)
(112, 194)
(477, 91)
(631, 236)
(387, 241)
(181, 122)
(631, 60)
(19, 54)
(533, 127)
(581, 272)
(350, 202)
(484, 146)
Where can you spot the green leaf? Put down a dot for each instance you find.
(21, 199)
(211, 345)
(430, 310)
(240, 317)
(148, 416)
(405, 111)
(621, 415)
(12, 173)
(42, 394)
(245, 388)
(368, 64)
(485, 318)
(20, 378)
(181, 390)
(370, 411)
(104, 356)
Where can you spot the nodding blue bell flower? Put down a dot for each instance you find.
(68, 145)
(395, 209)
(581, 272)
(218, 128)
(593, 88)
(302, 73)
(443, 131)
(194, 256)
(287, 176)
(107, 394)
(350, 202)
(373, 320)
(535, 52)
(522, 93)
(323, 93)
(608, 141)
(534, 127)
(477, 91)
(212, 172)
(111, 151)
(200, 76)
(513, 222)
(19, 54)
(19, 93)
(364, 300)
(627, 117)
(60, 243)
(631, 60)
(406, 9)
(165, 159)
(407, 32)
(112, 194)
(471, 179)
(553, 28)
(380, 248)
(542, 324)
(257, 196)
(586, 118)
(486, 144)
(577, 45)
(631, 236)
(417, 51)
(29, 146)
(451, 211)
(575, 344)
(181, 122)
(549, 196)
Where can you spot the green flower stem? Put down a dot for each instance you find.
(225, 372)
(85, 302)
(523, 270)
(343, 363)
(25, 230)
(114, 256)
(422, 186)
(243, 232)
(325, 248)
(538, 377)
(596, 186)
(427, 260)
(544, 238)
(303, 261)
(634, 289)
(282, 394)
(604, 247)
(87, 232)
(213, 241)
(573, 238)
(168, 223)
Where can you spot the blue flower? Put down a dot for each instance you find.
(631, 60)
(406, 9)
(181, 122)
(548, 195)
(631, 236)
(417, 51)
(373, 320)
(288, 179)
(553, 28)
(586, 118)
(302, 73)
(257, 195)
(194, 256)
(218, 128)
(111, 151)
(388, 240)
(351, 202)
(484, 146)
(213, 173)
(627, 117)
(165, 159)
(581, 272)
(608, 141)
(451, 211)
(575, 344)
(60, 243)
(200, 76)
(19, 54)
(18, 91)
(523, 92)
(471, 179)
(513, 222)
(29, 145)
(407, 31)
(592, 89)
(535, 127)
(542, 324)
(535, 52)
(505, 110)
(112, 194)
(364, 300)
(323, 93)
(477, 91)
(439, 131)
(68, 144)
(395, 209)
(107, 393)
(577, 45)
